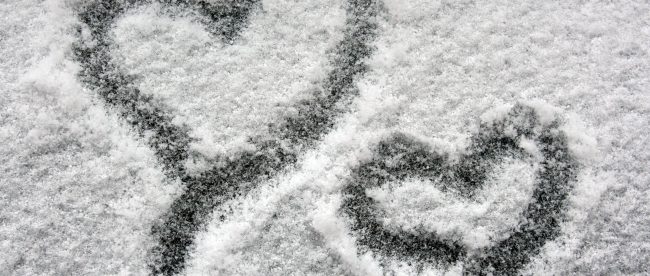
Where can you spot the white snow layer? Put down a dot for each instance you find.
(79, 192)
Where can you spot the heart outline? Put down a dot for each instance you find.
(401, 156)
(170, 142)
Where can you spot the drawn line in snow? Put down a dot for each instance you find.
(211, 188)
(400, 157)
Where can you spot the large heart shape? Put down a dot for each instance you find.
(400, 157)
(229, 177)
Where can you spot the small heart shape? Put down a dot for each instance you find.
(400, 157)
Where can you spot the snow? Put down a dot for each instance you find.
(79, 190)
(416, 204)
(229, 93)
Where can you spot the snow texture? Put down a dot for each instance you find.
(286, 137)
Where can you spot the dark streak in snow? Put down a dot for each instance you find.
(170, 142)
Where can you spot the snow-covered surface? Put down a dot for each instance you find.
(279, 57)
(79, 191)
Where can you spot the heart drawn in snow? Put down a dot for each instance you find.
(400, 157)
(228, 177)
